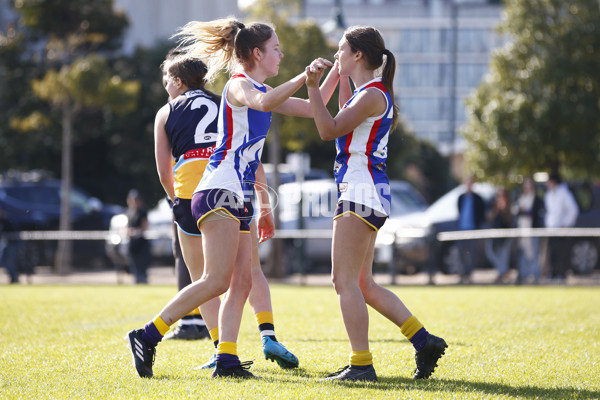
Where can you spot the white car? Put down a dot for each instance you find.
(409, 240)
(317, 206)
(159, 232)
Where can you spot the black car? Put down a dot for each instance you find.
(33, 205)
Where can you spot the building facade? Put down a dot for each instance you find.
(442, 48)
(156, 20)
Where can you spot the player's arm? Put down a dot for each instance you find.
(264, 223)
(368, 103)
(162, 152)
(297, 107)
(242, 92)
(345, 91)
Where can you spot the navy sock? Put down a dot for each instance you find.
(361, 366)
(151, 334)
(227, 360)
(419, 339)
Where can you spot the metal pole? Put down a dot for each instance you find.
(454, 62)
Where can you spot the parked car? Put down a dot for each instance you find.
(314, 209)
(32, 202)
(415, 247)
(160, 229)
(410, 239)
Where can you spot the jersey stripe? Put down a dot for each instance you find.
(372, 137)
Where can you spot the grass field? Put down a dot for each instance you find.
(504, 342)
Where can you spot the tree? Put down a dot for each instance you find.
(86, 83)
(539, 106)
(73, 31)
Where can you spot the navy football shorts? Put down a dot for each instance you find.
(371, 217)
(221, 203)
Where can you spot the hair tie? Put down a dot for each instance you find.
(239, 25)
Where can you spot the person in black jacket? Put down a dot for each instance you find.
(498, 250)
(139, 247)
(471, 215)
(529, 215)
(9, 248)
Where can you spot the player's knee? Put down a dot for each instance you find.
(367, 286)
(242, 283)
(340, 282)
(219, 284)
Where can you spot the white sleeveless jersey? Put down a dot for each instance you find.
(242, 134)
(359, 168)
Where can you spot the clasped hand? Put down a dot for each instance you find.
(315, 71)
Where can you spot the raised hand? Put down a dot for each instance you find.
(315, 71)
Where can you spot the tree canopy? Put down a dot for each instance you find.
(80, 39)
(538, 108)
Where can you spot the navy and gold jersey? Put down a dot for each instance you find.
(193, 111)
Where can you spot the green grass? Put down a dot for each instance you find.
(504, 342)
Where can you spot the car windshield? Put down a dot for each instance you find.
(446, 207)
(406, 201)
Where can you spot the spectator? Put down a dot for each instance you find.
(9, 248)
(529, 212)
(497, 250)
(561, 212)
(471, 211)
(139, 247)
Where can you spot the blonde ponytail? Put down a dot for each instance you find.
(212, 41)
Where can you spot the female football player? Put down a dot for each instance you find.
(361, 130)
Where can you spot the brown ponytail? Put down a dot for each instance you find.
(369, 41)
(387, 78)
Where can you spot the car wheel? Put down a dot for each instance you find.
(584, 256)
(450, 259)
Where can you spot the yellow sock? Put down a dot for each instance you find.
(363, 357)
(195, 311)
(266, 327)
(410, 327)
(214, 335)
(264, 317)
(162, 327)
(227, 347)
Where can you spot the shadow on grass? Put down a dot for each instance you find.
(387, 384)
(451, 386)
(454, 385)
(345, 340)
(385, 340)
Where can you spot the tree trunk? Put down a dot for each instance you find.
(64, 250)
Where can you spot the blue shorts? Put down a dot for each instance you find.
(182, 211)
(206, 202)
(373, 218)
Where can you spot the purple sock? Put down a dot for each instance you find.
(151, 334)
(227, 360)
(419, 339)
